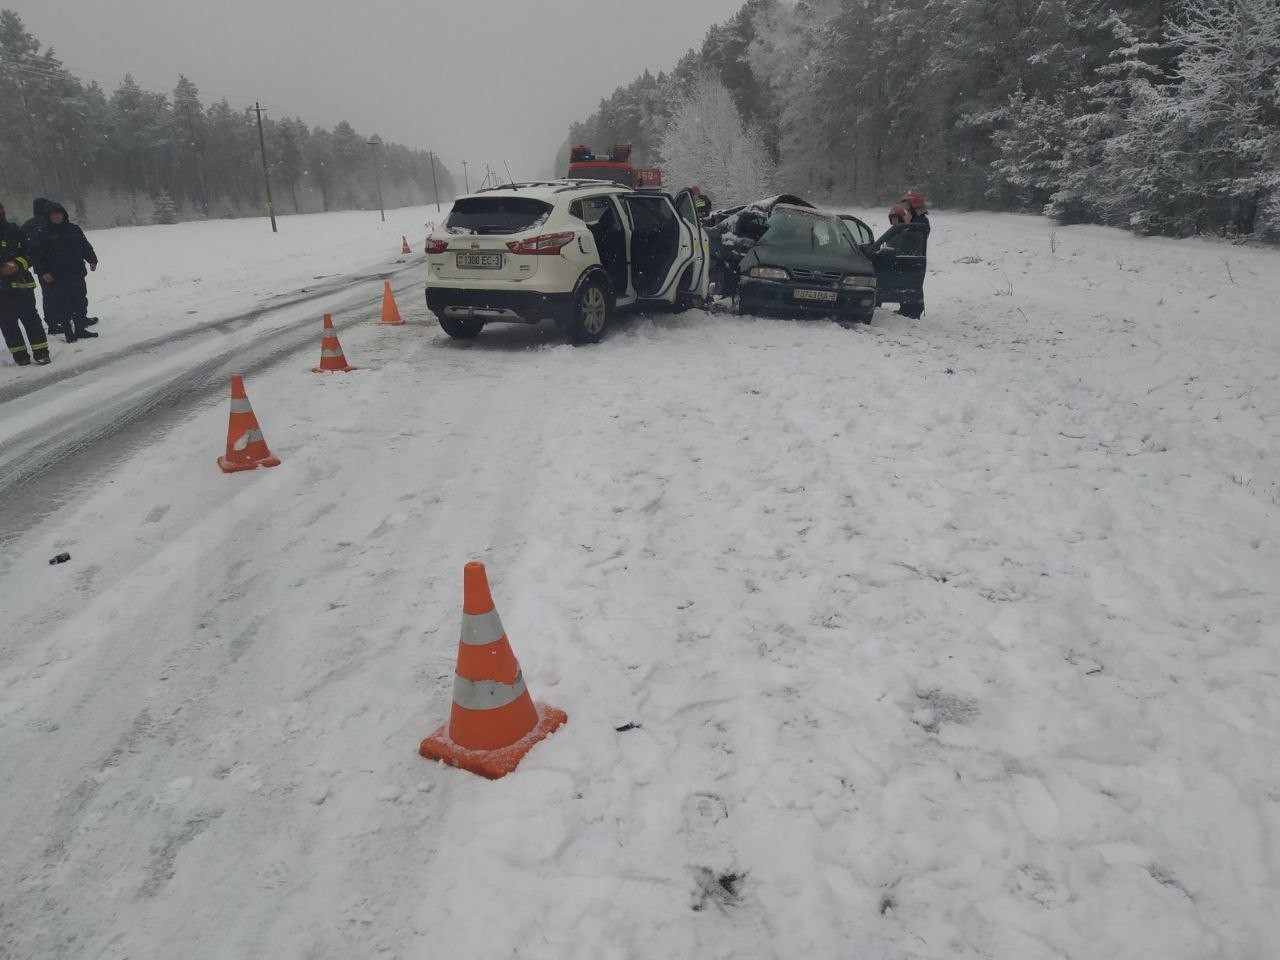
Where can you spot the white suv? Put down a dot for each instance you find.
(572, 251)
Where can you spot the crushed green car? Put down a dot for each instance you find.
(783, 256)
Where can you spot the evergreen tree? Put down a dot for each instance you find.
(1226, 109)
(165, 210)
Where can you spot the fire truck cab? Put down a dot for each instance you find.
(615, 167)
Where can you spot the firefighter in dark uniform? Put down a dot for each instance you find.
(33, 228)
(18, 297)
(61, 253)
(702, 203)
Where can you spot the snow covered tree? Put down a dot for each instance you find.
(707, 144)
(1032, 143)
(288, 168)
(1092, 185)
(190, 138)
(1226, 109)
(165, 210)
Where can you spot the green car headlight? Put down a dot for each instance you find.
(768, 273)
(860, 281)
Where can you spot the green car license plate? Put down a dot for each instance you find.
(821, 296)
(479, 261)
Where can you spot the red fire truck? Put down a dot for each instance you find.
(615, 166)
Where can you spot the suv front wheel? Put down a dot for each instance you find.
(591, 313)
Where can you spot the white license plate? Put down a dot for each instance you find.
(479, 261)
(822, 296)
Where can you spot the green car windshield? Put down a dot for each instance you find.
(797, 229)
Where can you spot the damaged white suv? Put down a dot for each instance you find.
(570, 251)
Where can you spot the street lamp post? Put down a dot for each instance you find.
(266, 177)
(376, 142)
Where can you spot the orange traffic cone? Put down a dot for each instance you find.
(404, 244)
(494, 721)
(390, 312)
(246, 449)
(331, 356)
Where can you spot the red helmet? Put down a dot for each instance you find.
(914, 199)
(898, 215)
(696, 191)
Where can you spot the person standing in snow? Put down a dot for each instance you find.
(18, 297)
(33, 228)
(39, 207)
(61, 252)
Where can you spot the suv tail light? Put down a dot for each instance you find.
(436, 246)
(547, 245)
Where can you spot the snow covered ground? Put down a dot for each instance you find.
(950, 638)
(157, 282)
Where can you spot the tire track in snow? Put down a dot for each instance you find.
(62, 458)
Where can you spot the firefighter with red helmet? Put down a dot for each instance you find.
(914, 200)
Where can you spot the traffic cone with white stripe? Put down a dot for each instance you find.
(332, 359)
(404, 245)
(246, 448)
(494, 721)
(390, 312)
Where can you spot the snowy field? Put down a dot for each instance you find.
(953, 638)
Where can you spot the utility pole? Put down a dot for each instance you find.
(376, 142)
(435, 184)
(266, 177)
(465, 178)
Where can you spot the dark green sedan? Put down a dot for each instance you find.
(789, 258)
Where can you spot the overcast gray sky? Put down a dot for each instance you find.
(477, 80)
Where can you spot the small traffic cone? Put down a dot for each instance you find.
(404, 245)
(390, 312)
(331, 357)
(494, 721)
(246, 448)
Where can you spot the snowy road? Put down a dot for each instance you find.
(947, 639)
(66, 427)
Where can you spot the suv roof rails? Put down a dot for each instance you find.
(563, 185)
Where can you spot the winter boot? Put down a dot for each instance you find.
(71, 334)
(90, 321)
(54, 327)
(40, 356)
(22, 359)
(84, 333)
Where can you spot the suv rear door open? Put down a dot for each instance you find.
(662, 245)
(687, 207)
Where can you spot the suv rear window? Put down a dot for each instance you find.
(495, 216)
